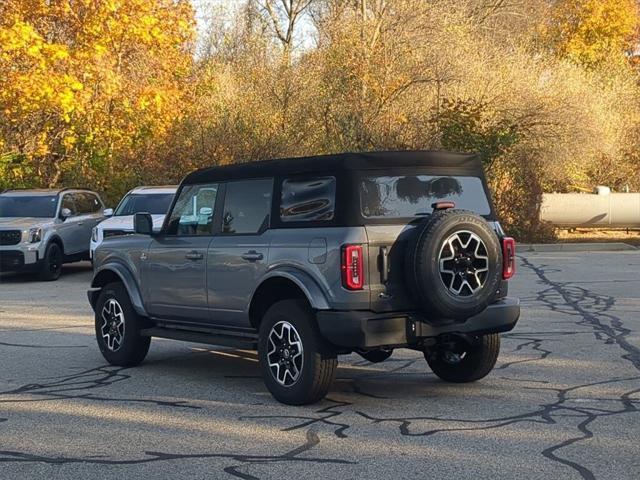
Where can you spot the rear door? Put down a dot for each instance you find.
(89, 210)
(391, 205)
(175, 277)
(238, 256)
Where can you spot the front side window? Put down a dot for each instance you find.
(153, 203)
(192, 213)
(247, 205)
(69, 202)
(37, 206)
(310, 200)
(406, 196)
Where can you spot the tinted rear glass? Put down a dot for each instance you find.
(153, 203)
(41, 206)
(405, 196)
(309, 200)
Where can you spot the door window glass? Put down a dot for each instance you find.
(193, 212)
(86, 203)
(310, 200)
(247, 206)
(68, 201)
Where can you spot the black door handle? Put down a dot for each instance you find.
(252, 256)
(193, 255)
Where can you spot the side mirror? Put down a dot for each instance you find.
(143, 223)
(107, 212)
(65, 213)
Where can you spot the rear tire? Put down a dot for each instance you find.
(118, 328)
(467, 362)
(52, 263)
(298, 366)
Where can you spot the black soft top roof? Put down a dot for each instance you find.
(457, 162)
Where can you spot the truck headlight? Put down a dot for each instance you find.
(94, 234)
(34, 235)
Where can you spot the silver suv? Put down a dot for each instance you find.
(305, 259)
(42, 229)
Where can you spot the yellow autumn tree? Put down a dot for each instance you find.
(592, 32)
(86, 85)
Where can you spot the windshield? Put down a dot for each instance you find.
(405, 196)
(40, 206)
(153, 203)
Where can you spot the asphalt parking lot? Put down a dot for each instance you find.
(563, 401)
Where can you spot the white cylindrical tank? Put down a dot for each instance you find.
(603, 210)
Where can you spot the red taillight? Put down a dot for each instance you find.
(508, 257)
(352, 276)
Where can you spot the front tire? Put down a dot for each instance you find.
(118, 328)
(298, 366)
(52, 263)
(465, 362)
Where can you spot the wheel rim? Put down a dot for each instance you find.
(464, 263)
(54, 260)
(112, 328)
(453, 358)
(285, 355)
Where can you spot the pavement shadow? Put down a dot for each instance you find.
(69, 271)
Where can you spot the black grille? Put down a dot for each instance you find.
(10, 261)
(10, 237)
(115, 233)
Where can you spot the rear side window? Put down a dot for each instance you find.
(309, 200)
(405, 196)
(247, 204)
(87, 203)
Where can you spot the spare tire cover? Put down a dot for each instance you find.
(453, 264)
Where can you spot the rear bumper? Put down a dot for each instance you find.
(365, 329)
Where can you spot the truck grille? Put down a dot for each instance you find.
(10, 237)
(115, 233)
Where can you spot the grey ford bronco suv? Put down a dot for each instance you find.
(304, 259)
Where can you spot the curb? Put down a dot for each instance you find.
(576, 247)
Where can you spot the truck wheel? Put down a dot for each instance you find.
(52, 263)
(453, 264)
(118, 328)
(465, 362)
(297, 365)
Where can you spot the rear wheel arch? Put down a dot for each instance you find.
(281, 287)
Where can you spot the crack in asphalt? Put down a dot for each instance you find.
(154, 456)
(62, 387)
(327, 413)
(590, 306)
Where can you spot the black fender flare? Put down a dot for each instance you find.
(113, 271)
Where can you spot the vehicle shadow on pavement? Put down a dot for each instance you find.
(237, 372)
(72, 271)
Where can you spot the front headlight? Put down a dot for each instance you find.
(94, 234)
(35, 235)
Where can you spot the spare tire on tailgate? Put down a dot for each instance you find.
(453, 264)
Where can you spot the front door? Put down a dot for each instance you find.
(238, 256)
(71, 228)
(175, 273)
